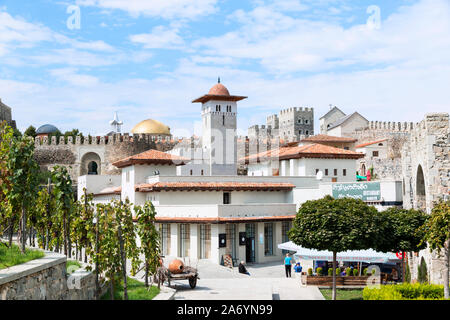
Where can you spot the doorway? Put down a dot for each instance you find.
(250, 243)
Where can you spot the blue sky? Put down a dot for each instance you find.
(151, 58)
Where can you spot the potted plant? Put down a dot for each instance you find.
(319, 271)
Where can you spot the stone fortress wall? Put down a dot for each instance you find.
(76, 155)
(288, 125)
(426, 179)
(397, 134)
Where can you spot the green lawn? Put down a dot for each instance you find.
(72, 265)
(136, 291)
(343, 294)
(12, 256)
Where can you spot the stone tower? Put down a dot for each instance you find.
(219, 112)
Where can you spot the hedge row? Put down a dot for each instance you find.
(405, 291)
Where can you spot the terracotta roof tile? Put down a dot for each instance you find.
(223, 219)
(370, 143)
(327, 138)
(151, 157)
(109, 190)
(211, 186)
(315, 150)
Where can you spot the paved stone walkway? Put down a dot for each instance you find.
(266, 282)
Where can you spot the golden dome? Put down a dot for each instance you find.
(151, 126)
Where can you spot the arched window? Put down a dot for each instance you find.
(92, 167)
(420, 182)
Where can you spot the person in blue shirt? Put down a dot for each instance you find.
(288, 265)
(298, 268)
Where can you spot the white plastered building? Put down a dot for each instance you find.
(216, 214)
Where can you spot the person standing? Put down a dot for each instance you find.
(288, 265)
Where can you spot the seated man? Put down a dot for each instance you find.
(243, 269)
(298, 267)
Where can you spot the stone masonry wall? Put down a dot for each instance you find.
(46, 279)
(429, 148)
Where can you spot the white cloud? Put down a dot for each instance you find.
(161, 37)
(418, 33)
(71, 76)
(168, 9)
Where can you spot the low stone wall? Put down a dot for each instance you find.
(340, 281)
(46, 279)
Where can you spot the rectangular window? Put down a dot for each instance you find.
(300, 131)
(326, 172)
(374, 153)
(231, 239)
(226, 198)
(185, 240)
(205, 241)
(164, 233)
(190, 172)
(335, 172)
(202, 172)
(344, 172)
(268, 239)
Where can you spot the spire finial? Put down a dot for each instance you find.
(218, 80)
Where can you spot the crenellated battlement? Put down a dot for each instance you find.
(390, 126)
(105, 140)
(296, 109)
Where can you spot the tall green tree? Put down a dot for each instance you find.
(30, 131)
(437, 234)
(401, 231)
(336, 225)
(149, 238)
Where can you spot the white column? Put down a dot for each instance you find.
(292, 167)
(241, 249)
(277, 238)
(174, 239)
(215, 243)
(194, 241)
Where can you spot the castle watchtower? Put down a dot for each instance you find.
(219, 112)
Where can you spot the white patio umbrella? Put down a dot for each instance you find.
(369, 256)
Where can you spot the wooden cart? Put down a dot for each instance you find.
(188, 273)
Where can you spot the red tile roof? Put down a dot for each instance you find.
(223, 219)
(151, 157)
(315, 150)
(109, 190)
(369, 143)
(327, 138)
(213, 186)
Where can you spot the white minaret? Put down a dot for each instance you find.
(219, 114)
(116, 124)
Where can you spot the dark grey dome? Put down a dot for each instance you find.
(46, 128)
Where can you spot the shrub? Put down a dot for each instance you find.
(422, 273)
(338, 271)
(405, 291)
(330, 272)
(374, 271)
(310, 272)
(407, 274)
(348, 271)
(365, 270)
(355, 272)
(319, 271)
